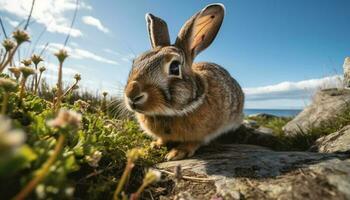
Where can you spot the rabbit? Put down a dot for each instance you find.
(176, 100)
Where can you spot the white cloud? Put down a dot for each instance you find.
(13, 23)
(292, 90)
(79, 53)
(92, 21)
(51, 13)
(110, 51)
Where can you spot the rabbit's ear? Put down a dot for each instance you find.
(157, 30)
(200, 30)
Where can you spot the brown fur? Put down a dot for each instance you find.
(191, 107)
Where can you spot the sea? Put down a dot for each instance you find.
(276, 112)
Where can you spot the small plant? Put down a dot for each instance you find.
(8, 86)
(16, 72)
(36, 59)
(26, 62)
(67, 121)
(26, 72)
(41, 70)
(104, 102)
(61, 56)
(77, 78)
(152, 176)
(132, 156)
(20, 36)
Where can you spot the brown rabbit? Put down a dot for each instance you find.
(176, 100)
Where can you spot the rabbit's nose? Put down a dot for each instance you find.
(139, 99)
(134, 94)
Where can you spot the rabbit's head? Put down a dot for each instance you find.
(161, 81)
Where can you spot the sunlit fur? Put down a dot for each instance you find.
(193, 108)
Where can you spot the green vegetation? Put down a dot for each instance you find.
(63, 144)
(303, 140)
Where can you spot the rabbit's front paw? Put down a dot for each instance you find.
(157, 144)
(182, 151)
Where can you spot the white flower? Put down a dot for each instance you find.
(94, 159)
(152, 176)
(66, 118)
(10, 139)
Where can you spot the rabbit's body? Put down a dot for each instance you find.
(210, 114)
(177, 100)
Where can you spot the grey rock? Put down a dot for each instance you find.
(250, 123)
(263, 115)
(253, 172)
(334, 142)
(324, 108)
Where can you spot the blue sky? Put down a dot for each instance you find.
(279, 51)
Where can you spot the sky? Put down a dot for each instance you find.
(281, 52)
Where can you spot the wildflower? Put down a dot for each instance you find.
(105, 94)
(134, 154)
(94, 159)
(8, 85)
(15, 71)
(36, 59)
(83, 105)
(9, 139)
(61, 55)
(27, 71)
(26, 62)
(151, 177)
(77, 77)
(8, 45)
(66, 118)
(42, 69)
(20, 36)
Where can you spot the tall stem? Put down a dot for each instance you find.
(3, 59)
(42, 172)
(123, 179)
(37, 84)
(11, 54)
(4, 103)
(59, 88)
(23, 87)
(70, 89)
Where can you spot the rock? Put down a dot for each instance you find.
(261, 136)
(250, 123)
(346, 68)
(335, 142)
(253, 172)
(324, 108)
(262, 115)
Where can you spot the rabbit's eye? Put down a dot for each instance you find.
(174, 68)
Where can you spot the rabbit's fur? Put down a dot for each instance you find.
(177, 100)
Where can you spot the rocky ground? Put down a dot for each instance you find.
(250, 164)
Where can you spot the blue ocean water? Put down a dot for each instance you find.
(277, 112)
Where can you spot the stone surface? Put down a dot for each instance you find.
(334, 142)
(253, 172)
(325, 107)
(346, 68)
